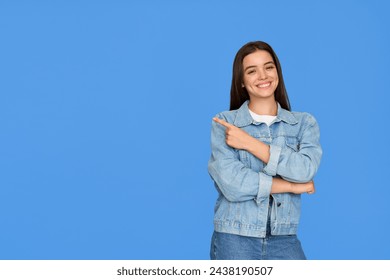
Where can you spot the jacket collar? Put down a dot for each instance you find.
(243, 117)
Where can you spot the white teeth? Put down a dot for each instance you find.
(264, 85)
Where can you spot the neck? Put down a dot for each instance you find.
(264, 107)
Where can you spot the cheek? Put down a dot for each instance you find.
(244, 82)
(276, 79)
(247, 81)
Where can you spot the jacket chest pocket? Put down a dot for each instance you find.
(292, 143)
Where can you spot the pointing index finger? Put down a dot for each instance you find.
(222, 122)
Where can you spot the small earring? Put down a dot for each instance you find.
(243, 85)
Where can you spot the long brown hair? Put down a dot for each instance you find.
(238, 94)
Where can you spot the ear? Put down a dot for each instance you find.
(243, 85)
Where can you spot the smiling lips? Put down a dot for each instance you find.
(264, 85)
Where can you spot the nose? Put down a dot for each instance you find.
(262, 75)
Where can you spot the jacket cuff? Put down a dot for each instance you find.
(272, 165)
(265, 185)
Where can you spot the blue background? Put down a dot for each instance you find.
(105, 114)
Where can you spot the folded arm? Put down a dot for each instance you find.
(238, 182)
(297, 166)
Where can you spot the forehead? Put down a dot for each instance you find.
(258, 57)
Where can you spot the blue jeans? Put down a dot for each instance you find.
(226, 246)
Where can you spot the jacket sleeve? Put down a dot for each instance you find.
(298, 165)
(234, 180)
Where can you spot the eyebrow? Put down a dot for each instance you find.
(252, 66)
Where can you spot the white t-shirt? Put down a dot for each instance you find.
(267, 119)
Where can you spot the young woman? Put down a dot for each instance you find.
(263, 157)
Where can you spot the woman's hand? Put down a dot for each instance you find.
(282, 186)
(299, 188)
(236, 137)
(239, 139)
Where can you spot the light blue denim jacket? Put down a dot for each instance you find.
(244, 182)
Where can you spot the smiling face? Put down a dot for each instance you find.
(260, 77)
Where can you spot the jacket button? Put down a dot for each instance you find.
(278, 204)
